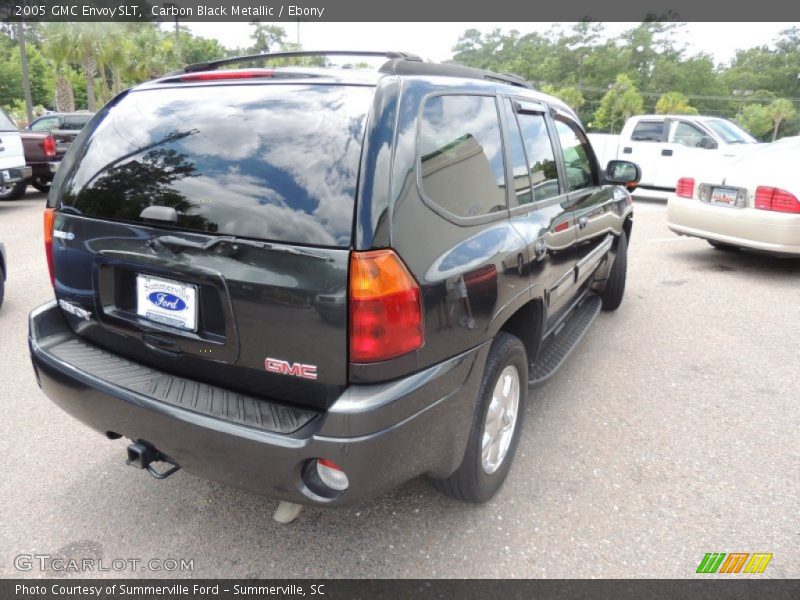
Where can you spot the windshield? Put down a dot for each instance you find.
(6, 124)
(730, 132)
(275, 162)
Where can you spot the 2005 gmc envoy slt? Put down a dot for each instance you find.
(319, 283)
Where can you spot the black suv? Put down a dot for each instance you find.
(319, 283)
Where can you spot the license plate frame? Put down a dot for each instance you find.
(167, 301)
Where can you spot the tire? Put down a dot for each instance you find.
(2, 286)
(43, 185)
(12, 192)
(721, 246)
(615, 284)
(478, 478)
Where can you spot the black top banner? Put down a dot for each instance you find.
(398, 11)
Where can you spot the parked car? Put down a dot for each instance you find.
(292, 279)
(3, 272)
(64, 126)
(752, 202)
(666, 146)
(13, 171)
(42, 156)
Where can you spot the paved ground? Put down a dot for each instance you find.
(672, 432)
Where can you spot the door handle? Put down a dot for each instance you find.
(582, 222)
(627, 150)
(666, 152)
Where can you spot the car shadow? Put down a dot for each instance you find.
(739, 261)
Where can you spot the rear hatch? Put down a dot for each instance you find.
(207, 228)
(12, 155)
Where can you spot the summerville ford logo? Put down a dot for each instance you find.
(167, 301)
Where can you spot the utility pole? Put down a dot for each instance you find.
(23, 59)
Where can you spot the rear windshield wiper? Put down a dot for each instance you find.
(176, 244)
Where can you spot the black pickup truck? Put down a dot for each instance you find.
(318, 283)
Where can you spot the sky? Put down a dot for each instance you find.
(434, 41)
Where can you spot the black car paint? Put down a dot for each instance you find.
(476, 275)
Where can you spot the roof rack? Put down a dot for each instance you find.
(214, 64)
(401, 66)
(399, 63)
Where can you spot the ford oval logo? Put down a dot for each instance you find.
(167, 300)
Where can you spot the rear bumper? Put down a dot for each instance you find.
(44, 169)
(15, 175)
(763, 230)
(381, 435)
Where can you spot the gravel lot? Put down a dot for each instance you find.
(671, 432)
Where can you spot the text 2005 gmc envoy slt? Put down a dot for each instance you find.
(319, 283)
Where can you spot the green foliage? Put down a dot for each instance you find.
(619, 104)
(570, 95)
(674, 103)
(755, 119)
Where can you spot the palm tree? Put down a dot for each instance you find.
(57, 48)
(86, 40)
(779, 111)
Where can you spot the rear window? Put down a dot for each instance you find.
(75, 123)
(276, 162)
(6, 124)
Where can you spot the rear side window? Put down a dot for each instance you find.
(648, 131)
(45, 124)
(461, 155)
(276, 162)
(6, 124)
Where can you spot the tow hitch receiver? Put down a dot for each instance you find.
(142, 456)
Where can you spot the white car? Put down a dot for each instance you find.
(12, 159)
(751, 202)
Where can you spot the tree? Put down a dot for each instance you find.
(26, 83)
(266, 37)
(57, 48)
(755, 119)
(619, 104)
(674, 103)
(571, 96)
(779, 111)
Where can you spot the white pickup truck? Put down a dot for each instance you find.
(666, 147)
(12, 158)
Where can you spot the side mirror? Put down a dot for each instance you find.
(707, 143)
(623, 172)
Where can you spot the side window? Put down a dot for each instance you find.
(687, 134)
(577, 155)
(45, 124)
(648, 131)
(541, 158)
(461, 155)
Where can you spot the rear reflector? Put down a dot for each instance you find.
(49, 146)
(776, 199)
(49, 219)
(685, 187)
(385, 307)
(332, 475)
(221, 75)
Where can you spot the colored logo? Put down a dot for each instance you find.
(734, 562)
(167, 301)
(275, 365)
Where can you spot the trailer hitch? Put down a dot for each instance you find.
(142, 456)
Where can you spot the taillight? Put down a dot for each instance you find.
(385, 307)
(685, 187)
(220, 75)
(49, 146)
(776, 199)
(49, 218)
